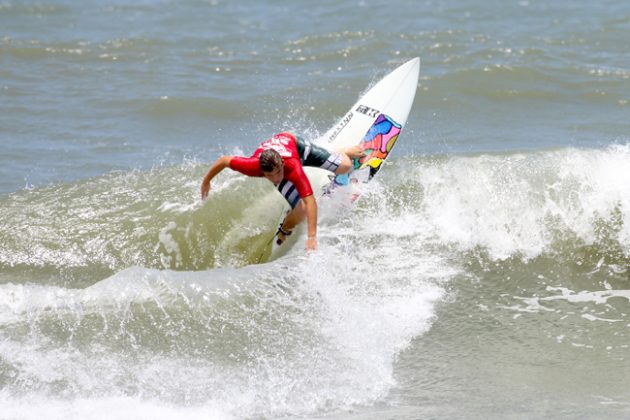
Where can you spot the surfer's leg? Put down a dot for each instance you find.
(345, 164)
(348, 154)
(339, 162)
(353, 152)
(318, 157)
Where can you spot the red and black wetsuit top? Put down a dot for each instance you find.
(295, 184)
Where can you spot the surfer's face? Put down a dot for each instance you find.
(276, 175)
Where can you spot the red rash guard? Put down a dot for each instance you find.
(285, 144)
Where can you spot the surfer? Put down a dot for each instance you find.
(280, 159)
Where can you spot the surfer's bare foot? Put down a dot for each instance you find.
(354, 152)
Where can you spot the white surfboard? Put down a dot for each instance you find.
(374, 122)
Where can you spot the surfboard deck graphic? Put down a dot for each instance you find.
(377, 144)
(374, 123)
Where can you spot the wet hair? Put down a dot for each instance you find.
(270, 160)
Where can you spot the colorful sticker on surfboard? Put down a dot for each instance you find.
(377, 143)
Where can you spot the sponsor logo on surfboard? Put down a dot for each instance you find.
(340, 126)
(366, 110)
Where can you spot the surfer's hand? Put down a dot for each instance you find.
(311, 243)
(205, 188)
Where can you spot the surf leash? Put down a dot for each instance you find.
(269, 242)
(265, 248)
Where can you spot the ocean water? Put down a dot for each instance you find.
(483, 274)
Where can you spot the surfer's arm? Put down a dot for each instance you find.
(311, 221)
(219, 165)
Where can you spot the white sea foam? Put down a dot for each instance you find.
(320, 332)
(599, 297)
(37, 407)
(516, 204)
(541, 304)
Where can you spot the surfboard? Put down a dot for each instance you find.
(374, 123)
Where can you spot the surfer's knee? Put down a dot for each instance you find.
(345, 165)
(347, 154)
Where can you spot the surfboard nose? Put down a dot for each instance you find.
(414, 64)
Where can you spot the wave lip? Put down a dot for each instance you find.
(528, 204)
(518, 204)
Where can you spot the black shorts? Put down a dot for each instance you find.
(310, 155)
(316, 156)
